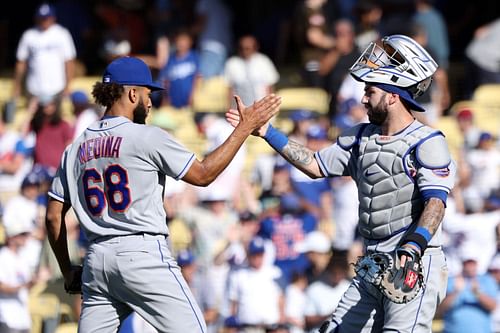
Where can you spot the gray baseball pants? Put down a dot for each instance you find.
(136, 273)
(364, 309)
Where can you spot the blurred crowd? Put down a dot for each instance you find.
(269, 250)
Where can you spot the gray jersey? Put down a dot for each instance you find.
(392, 173)
(114, 174)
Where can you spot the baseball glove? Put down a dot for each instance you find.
(75, 285)
(398, 284)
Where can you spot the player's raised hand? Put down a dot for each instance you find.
(256, 116)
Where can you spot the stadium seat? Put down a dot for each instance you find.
(437, 325)
(448, 126)
(84, 83)
(5, 89)
(211, 95)
(487, 94)
(314, 99)
(44, 309)
(67, 328)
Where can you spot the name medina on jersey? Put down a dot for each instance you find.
(103, 146)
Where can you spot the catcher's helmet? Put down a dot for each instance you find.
(400, 61)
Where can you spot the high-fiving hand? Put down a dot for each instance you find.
(256, 116)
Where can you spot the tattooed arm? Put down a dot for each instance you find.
(432, 215)
(427, 225)
(302, 158)
(295, 153)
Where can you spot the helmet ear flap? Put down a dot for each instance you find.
(420, 88)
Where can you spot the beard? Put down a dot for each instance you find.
(140, 113)
(378, 113)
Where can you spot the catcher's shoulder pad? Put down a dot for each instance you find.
(350, 137)
(433, 152)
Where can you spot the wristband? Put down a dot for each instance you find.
(419, 238)
(275, 138)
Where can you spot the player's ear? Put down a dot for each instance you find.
(392, 98)
(132, 94)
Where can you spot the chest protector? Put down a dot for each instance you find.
(384, 168)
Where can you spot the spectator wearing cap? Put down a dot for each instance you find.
(470, 298)
(351, 112)
(45, 176)
(470, 132)
(255, 297)
(317, 246)
(23, 209)
(301, 120)
(45, 59)
(231, 325)
(239, 239)
(84, 112)
(16, 278)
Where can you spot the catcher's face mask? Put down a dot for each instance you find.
(398, 61)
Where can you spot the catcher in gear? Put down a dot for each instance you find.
(404, 173)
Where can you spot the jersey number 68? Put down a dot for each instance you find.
(109, 188)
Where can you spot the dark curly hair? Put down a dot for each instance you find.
(106, 94)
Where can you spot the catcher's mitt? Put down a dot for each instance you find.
(75, 285)
(398, 284)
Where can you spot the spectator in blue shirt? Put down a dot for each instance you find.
(470, 300)
(180, 74)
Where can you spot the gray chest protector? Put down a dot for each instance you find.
(384, 169)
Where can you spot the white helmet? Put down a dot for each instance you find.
(400, 62)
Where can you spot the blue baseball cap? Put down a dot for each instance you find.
(281, 164)
(185, 257)
(45, 10)
(232, 322)
(316, 132)
(31, 179)
(256, 246)
(130, 71)
(346, 105)
(485, 136)
(79, 97)
(404, 94)
(43, 173)
(300, 115)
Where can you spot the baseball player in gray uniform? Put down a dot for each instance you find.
(113, 176)
(404, 174)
